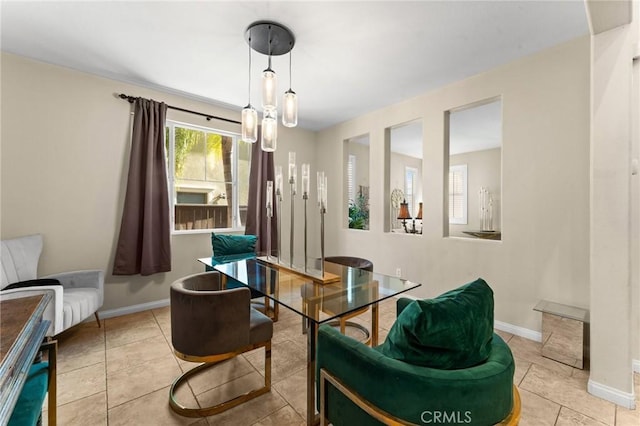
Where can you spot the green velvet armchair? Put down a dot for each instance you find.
(372, 386)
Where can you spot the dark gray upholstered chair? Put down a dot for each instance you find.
(343, 322)
(209, 325)
(359, 263)
(354, 262)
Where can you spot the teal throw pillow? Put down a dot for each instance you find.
(452, 331)
(224, 245)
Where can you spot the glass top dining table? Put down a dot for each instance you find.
(353, 290)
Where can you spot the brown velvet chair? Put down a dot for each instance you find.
(210, 324)
(359, 263)
(343, 322)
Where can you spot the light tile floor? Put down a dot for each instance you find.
(120, 375)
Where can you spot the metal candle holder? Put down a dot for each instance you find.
(322, 204)
(323, 210)
(305, 197)
(269, 215)
(306, 168)
(279, 200)
(292, 183)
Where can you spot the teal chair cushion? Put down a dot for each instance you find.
(29, 405)
(224, 245)
(217, 260)
(451, 331)
(482, 395)
(231, 248)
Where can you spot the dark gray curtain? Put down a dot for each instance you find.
(144, 244)
(262, 170)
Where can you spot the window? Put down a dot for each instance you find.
(351, 178)
(410, 176)
(208, 177)
(458, 194)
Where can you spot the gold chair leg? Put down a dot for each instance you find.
(343, 324)
(223, 406)
(514, 416)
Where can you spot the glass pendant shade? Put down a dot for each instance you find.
(269, 89)
(249, 124)
(290, 109)
(269, 130)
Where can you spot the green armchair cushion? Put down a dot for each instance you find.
(451, 331)
(481, 394)
(224, 245)
(29, 404)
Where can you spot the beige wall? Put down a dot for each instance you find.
(65, 148)
(545, 251)
(635, 214)
(610, 227)
(483, 170)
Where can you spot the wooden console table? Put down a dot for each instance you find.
(22, 330)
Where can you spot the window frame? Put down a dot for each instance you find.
(410, 196)
(462, 169)
(351, 178)
(171, 178)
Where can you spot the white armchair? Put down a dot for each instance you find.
(80, 295)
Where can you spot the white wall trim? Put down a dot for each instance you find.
(536, 336)
(624, 399)
(110, 313)
(636, 365)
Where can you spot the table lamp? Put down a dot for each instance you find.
(404, 214)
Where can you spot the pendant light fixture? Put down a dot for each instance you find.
(290, 104)
(271, 39)
(249, 114)
(269, 139)
(269, 87)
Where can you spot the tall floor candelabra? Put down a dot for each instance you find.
(305, 196)
(279, 201)
(322, 205)
(269, 215)
(292, 183)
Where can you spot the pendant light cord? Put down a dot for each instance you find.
(290, 68)
(269, 47)
(249, 103)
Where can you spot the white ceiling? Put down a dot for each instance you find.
(349, 58)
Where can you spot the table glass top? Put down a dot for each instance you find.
(320, 303)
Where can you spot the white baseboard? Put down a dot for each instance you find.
(516, 330)
(636, 365)
(110, 313)
(624, 399)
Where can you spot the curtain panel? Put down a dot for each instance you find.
(262, 170)
(144, 244)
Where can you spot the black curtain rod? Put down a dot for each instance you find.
(209, 117)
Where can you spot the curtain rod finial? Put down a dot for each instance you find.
(127, 97)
